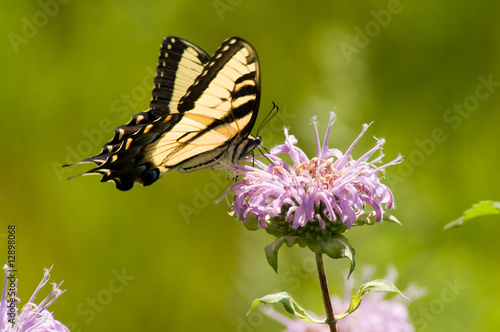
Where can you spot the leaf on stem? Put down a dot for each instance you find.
(481, 209)
(288, 303)
(273, 248)
(335, 246)
(377, 285)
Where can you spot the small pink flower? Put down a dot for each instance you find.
(33, 317)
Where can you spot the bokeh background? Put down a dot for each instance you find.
(166, 257)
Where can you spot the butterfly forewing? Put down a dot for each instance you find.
(179, 64)
(219, 109)
(202, 111)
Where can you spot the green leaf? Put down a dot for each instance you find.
(272, 249)
(335, 246)
(288, 303)
(389, 217)
(368, 218)
(377, 285)
(481, 209)
(251, 224)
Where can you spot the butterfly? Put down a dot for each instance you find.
(201, 114)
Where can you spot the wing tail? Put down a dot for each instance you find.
(127, 161)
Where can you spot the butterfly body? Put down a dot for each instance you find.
(201, 114)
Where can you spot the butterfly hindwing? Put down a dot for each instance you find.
(202, 111)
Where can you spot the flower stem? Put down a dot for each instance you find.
(330, 318)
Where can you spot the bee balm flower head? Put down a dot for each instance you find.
(32, 316)
(327, 192)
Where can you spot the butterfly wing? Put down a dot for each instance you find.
(179, 64)
(202, 111)
(219, 111)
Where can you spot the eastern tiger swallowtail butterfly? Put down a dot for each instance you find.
(202, 111)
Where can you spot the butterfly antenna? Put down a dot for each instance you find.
(266, 120)
(268, 117)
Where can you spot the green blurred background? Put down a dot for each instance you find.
(74, 70)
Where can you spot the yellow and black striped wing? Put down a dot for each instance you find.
(202, 112)
(218, 112)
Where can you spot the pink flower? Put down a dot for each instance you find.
(331, 187)
(33, 317)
